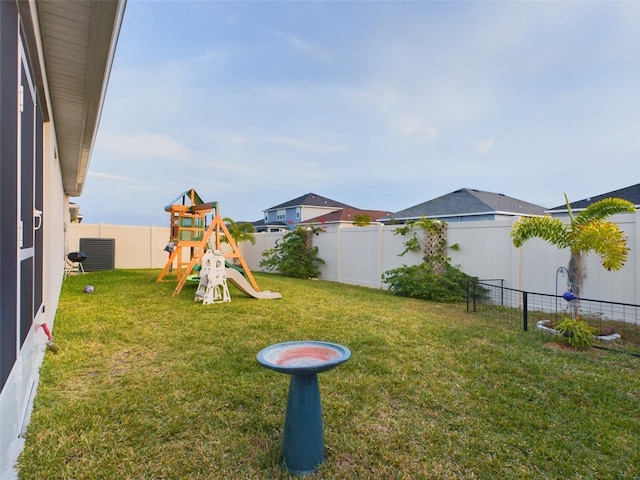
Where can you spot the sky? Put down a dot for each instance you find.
(377, 104)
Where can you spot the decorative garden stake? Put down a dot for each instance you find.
(303, 445)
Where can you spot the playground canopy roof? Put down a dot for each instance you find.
(189, 201)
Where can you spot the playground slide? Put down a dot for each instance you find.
(241, 283)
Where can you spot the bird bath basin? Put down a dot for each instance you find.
(303, 445)
(303, 358)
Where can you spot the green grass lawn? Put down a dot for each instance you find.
(150, 386)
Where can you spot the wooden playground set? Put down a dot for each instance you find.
(196, 231)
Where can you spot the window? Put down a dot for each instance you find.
(281, 214)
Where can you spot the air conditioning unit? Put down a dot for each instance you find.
(101, 253)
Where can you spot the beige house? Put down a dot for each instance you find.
(55, 61)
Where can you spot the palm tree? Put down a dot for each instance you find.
(588, 231)
(240, 232)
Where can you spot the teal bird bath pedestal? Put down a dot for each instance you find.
(303, 445)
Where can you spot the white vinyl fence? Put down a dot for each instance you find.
(360, 255)
(136, 247)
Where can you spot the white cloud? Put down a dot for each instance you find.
(213, 56)
(233, 138)
(309, 146)
(484, 146)
(109, 176)
(144, 145)
(299, 44)
(416, 127)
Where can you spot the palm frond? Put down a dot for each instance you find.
(239, 231)
(607, 241)
(602, 209)
(549, 229)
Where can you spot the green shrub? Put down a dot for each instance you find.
(422, 281)
(577, 333)
(294, 255)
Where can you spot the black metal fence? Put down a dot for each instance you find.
(618, 324)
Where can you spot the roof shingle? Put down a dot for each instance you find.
(347, 215)
(631, 193)
(310, 200)
(467, 201)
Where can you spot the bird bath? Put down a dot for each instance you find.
(303, 446)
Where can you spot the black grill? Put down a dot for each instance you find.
(77, 257)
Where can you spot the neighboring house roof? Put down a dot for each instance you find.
(309, 200)
(347, 215)
(78, 44)
(631, 194)
(468, 201)
(262, 223)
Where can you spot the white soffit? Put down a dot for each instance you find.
(78, 43)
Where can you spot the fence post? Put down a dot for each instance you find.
(525, 311)
(475, 294)
(468, 285)
(471, 295)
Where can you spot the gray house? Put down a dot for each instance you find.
(287, 215)
(631, 194)
(467, 205)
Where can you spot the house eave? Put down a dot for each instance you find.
(76, 40)
(457, 215)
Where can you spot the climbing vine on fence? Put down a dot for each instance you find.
(434, 279)
(433, 243)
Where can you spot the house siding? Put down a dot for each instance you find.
(31, 257)
(295, 215)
